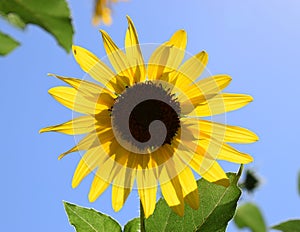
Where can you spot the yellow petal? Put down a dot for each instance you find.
(133, 52)
(119, 196)
(209, 170)
(223, 151)
(147, 187)
(187, 181)
(92, 65)
(177, 43)
(72, 99)
(228, 153)
(219, 104)
(203, 90)
(97, 188)
(91, 90)
(231, 134)
(148, 199)
(88, 141)
(172, 191)
(167, 57)
(83, 85)
(193, 67)
(158, 62)
(118, 60)
(88, 163)
(122, 187)
(80, 125)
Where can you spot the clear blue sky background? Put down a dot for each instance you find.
(256, 42)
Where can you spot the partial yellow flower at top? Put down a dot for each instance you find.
(102, 11)
(143, 122)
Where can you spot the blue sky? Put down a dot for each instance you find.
(256, 42)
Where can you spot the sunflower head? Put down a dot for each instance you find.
(144, 123)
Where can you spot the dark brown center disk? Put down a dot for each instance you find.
(140, 105)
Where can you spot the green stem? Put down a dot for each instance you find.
(240, 171)
(142, 218)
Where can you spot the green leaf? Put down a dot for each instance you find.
(217, 207)
(133, 225)
(14, 19)
(289, 226)
(249, 216)
(89, 220)
(7, 44)
(53, 16)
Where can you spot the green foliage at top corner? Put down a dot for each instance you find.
(217, 207)
(53, 16)
(14, 19)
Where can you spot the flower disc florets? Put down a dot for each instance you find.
(146, 116)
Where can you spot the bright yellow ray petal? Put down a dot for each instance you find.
(72, 99)
(84, 144)
(193, 67)
(92, 65)
(187, 181)
(146, 180)
(97, 188)
(207, 88)
(229, 153)
(80, 125)
(82, 85)
(219, 104)
(88, 163)
(90, 90)
(177, 43)
(157, 62)
(203, 90)
(118, 59)
(167, 57)
(231, 134)
(122, 187)
(209, 170)
(171, 190)
(223, 151)
(134, 53)
(119, 196)
(148, 199)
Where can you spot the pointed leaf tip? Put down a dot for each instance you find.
(90, 220)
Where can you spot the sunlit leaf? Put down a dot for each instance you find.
(14, 20)
(249, 216)
(89, 220)
(53, 16)
(217, 207)
(133, 225)
(7, 44)
(288, 226)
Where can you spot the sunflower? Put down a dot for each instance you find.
(145, 124)
(102, 11)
